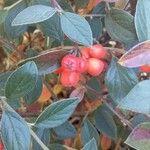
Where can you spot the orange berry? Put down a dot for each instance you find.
(69, 62)
(95, 66)
(85, 52)
(69, 78)
(98, 51)
(82, 65)
(145, 68)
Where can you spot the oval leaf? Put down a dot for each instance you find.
(88, 132)
(142, 20)
(76, 28)
(96, 26)
(44, 135)
(104, 122)
(65, 131)
(35, 93)
(21, 81)
(3, 79)
(14, 131)
(138, 99)
(140, 137)
(57, 113)
(119, 80)
(120, 27)
(33, 14)
(52, 28)
(14, 32)
(3, 14)
(137, 56)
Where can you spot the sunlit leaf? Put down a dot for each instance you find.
(33, 14)
(140, 137)
(21, 81)
(76, 28)
(14, 131)
(57, 113)
(138, 99)
(137, 56)
(142, 20)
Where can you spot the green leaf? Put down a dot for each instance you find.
(21, 81)
(14, 131)
(96, 26)
(33, 14)
(142, 20)
(138, 99)
(14, 32)
(35, 93)
(94, 84)
(91, 145)
(100, 8)
(3, 14)
(64, 131)
(139, 118)
(93, 88)
(120, 26)
(140, 137)
(44, 136)
(119, 80)
(3, 80)
(88, 132)
(14, 103)
(76, 28)
(104, 122)
(63, 3)
(57, 113)
(52, 27)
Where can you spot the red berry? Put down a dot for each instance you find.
(145, 68)
(69, 78)
(82, 65)
(85, 52)
(98, 51)
(70, 62)
(95, 66)
(1, 146)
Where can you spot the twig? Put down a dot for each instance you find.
(108, 6)
(13, 5)
(38, 140)
(125, 7)
(117, 147)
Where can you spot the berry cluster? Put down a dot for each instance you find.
(91, 61)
